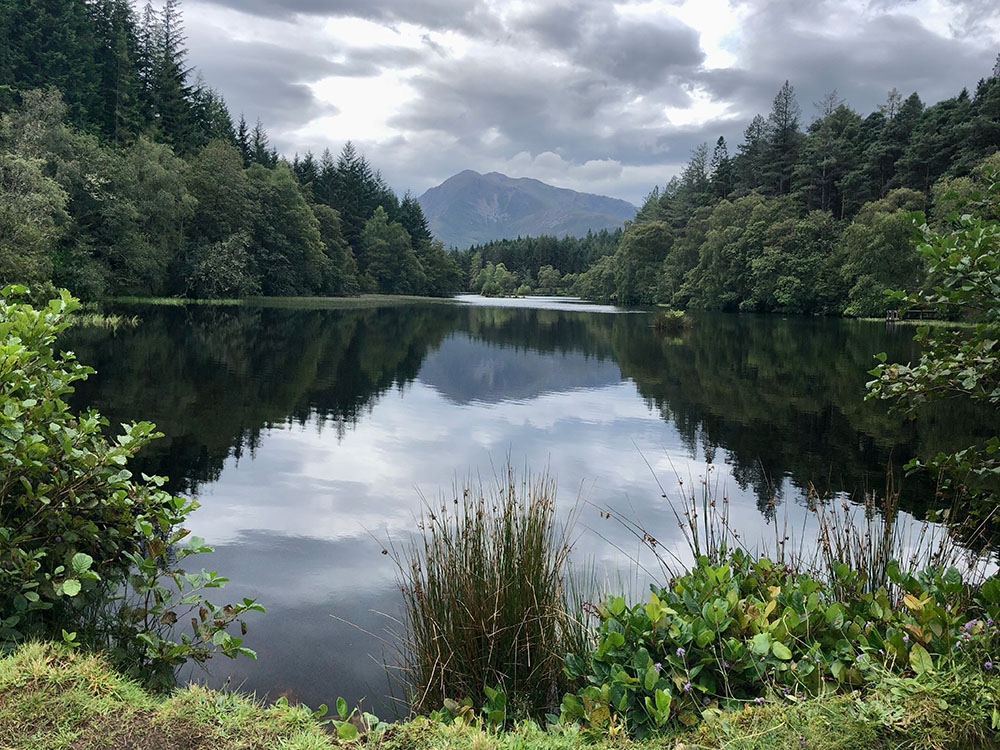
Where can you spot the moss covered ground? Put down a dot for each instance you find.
(52, 698)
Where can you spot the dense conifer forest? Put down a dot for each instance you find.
(122, 173)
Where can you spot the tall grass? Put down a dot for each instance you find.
(486, 591)
(867, 532)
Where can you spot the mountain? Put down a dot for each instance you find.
(471, 208)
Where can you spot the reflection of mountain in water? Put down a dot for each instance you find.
(776, 398)
(463, 371)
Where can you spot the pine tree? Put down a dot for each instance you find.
(260, 149)
(117, 58)
(783, 141)
(356, 192)
(411, 216)
(167, 93)
(243, 141)
(210, 117)
(721, 170)
(306, 169)
(829, 152)
(51, 44)
(892, 104)
(749, 163)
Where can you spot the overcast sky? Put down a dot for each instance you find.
(587, 94)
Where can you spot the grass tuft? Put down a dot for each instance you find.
(485, 598)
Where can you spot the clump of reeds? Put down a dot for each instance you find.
(671, 321)
(100, 320)
(485, 597)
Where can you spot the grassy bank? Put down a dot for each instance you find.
(333, 303)
(53, 698)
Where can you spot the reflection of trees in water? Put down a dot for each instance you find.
(784, 398)
(214, 378)
(778, 397)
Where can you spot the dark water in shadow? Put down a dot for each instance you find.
(305, 432)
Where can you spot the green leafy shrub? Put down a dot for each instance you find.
(88, 554)
(749, 631)
(963, 279)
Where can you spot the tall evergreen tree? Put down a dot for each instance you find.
(306, 169)
(749, 164)
(243, 141)
(411, 216)
(260, 147)
(783, 142)
(356, 192)
(722, 170)
(117, 58)
(51, 44)
(829, 152)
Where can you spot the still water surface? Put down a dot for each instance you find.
(311, 435)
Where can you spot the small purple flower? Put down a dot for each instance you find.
(687, 687)
(786, 690)
(758, 699)
(988, 664)
(725, 664)
(705, 701)
(906, 638)
(966, 636)
(680, 651)
(989, 621)
(658, 666)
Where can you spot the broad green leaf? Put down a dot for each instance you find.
(920, 660)
(780, 650)
(82, 562)
(71, 587)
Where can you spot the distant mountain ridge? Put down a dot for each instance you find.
(471, 208)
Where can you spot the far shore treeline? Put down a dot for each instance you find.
(123, 174)
(814, 222)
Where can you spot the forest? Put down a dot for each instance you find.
(123, 173)
(819, 221)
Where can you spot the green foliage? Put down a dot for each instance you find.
(747, 631)
(285, 244)
(87, 551)
(963, 261)
(495, 281)
(386, 257)
(31, 214)
(640, 254)
(598, 281)
(877, 252)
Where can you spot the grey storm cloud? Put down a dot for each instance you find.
(263, 80)
(579, 78)
(469, 15)
(594, 36)
(891, 50)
